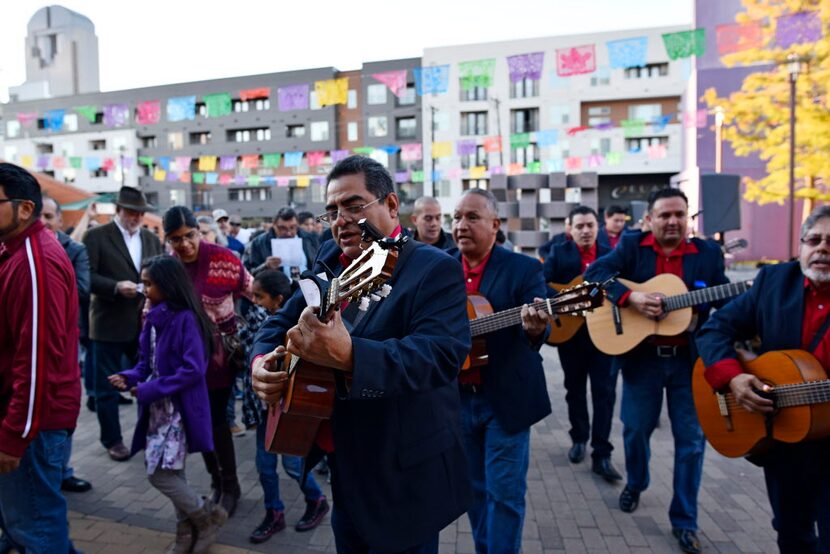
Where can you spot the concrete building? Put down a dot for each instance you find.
(61, 56)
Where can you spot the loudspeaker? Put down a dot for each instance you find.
(720, 202)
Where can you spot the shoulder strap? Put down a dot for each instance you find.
(819, 334)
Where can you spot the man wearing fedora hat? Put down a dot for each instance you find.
(116, 252)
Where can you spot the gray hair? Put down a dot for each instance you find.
(819, 213)
(210, 222)
(492, 203)
(423, 202)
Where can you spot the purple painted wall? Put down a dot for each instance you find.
(764, 227)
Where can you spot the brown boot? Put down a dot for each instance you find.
(207, 521)
(185, 535)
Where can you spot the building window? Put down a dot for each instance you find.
(441, 189)
(253, 194)
(525, 88)
(601, 78)
(474, 123)
(645, 112)
(319, 130)
(240, 106)
(598, 115)
(479, 158)
(639, 144)
(177, 197)
(313, 102)
(202, 137)
(70, 122)
(376, 94)
(648, 71)
(524, 155)
(45, 148)
(262, 104)
(12, 129)
(351, 131)
(249, 135)
(474, 93)
(405, 128)
(600, 146)
(377, 126)
(175, 141)
(468, 184)
(351, 99)
(524, 121)
(201, 109)
(100, 172)
(407, 165)
(294, 131)
(149, 142)
(440, 121)
(318, 193)
(560, 114)
(407, 97)
(97, 145)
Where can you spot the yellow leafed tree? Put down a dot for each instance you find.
(756, 118)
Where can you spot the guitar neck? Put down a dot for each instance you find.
(507, 318)
(704, 296)
(802, 394)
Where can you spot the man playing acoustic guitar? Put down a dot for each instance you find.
(580, 358)
(661, 362)
(787, 307)
(502, 399)
(399, 473)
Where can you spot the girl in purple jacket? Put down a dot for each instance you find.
(169, 383)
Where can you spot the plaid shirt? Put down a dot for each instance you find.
(253, 408)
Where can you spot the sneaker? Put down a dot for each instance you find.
(237, 431)
(314, 513)
(629, 500)
(687, 540)
(273, 523)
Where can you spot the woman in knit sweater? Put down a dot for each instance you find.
(219, 278)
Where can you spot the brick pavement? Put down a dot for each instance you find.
(569, 509)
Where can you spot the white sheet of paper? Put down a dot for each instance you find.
(311, 292)
(290, 251)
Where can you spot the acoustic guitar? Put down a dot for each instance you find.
(801, 395)
(563, 329)
(575, 300)
(293, 423)
(616, 330)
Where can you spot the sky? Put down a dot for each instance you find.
(154, 42)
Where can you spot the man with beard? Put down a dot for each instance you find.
(661, 362)
(426, 216)
(787, 308)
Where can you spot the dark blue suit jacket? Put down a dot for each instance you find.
(399, 469)
(565, 263)
(513, 380)
(547, 249)
(639, 263)
(773, 309)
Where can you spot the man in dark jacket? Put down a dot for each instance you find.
(426, 217)
(52, 219)
(40, 392)
(258, 255)
(116, 252)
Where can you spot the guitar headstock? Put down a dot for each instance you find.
(579, 299)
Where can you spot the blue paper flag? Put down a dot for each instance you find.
(293, 159)
(432, 80)
(181, 108)
(211, 178)
(93, 163)
(548, 137)
(53, 120)
(629, 52)
(164, 162)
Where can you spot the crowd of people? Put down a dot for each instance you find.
(188, 323)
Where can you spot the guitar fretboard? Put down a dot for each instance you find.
(513, 316)
(703, 296)
(801, 394)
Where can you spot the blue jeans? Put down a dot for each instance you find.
(109, 358)
(498, 463)
(32, 509)
(644, 377)
(266, 466)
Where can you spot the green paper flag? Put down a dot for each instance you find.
(271, 160)
(88, 112)
(534, 167)
(76, 162)
(685, 44)
(417, 176)
(145, 160)
(198, 177)
(477, 73)
(633, 127)
(218, 104)
(520, 140)
(253, 180)
(365, 150)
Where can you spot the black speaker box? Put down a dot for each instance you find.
(720, 202)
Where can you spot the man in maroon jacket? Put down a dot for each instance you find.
(40, 391)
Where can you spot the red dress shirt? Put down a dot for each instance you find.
(613, 240)
(472, 278)
(587, 256)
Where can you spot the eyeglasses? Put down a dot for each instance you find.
(346, 212)
(234, 224)
(190, 236)
(4, 200)
(814, 240)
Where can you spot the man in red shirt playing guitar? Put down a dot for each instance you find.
(787, 307)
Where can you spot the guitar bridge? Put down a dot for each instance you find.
(723, 407)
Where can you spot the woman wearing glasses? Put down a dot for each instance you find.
(219, 278)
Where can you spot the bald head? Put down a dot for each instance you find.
(427, 219)
(50, 215)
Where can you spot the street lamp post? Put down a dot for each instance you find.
(718, 139)
(793, 68)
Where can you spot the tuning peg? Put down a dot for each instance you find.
(384, 291)
(363, 305)
(374, 297)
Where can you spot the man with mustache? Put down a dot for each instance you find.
(787, 307)
(661, 362)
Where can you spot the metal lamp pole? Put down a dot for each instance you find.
(718, 139)
(793, 68)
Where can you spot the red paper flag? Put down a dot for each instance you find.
(315, 158)
(576, 61)
(737, 37)
(254, 93)
(250, 161)
(492, 144)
